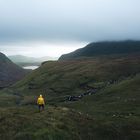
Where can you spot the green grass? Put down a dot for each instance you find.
(110, 114)
(122, 98)
(60, 123)
(71, 77)
(52, 124)
(116, 107)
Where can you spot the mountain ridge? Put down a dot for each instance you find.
(104, 48)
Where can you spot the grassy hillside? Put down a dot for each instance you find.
(10, 73)
(116, 106)
(110, 113)
(58, 79)
(20, 123)
(117, 100)
(104, 48)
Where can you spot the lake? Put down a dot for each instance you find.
(31, 67)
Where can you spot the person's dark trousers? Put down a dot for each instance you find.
(41, 107)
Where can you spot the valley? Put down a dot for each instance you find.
(86, 98)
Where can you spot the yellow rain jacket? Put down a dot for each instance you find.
(40, 100)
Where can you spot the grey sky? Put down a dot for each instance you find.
(84, 20)
(68, 20)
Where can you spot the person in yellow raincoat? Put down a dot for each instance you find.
(41, 103)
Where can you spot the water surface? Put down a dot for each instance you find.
(31, 67)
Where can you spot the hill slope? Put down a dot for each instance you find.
(117, 107)
(107, 110)
(60, 79)
(104, 48)
(9, 72)
(52, 124)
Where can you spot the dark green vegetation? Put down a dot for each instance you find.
(112, 113)
(104, 48)
(9, 72)
(61, 78)
(55, 123)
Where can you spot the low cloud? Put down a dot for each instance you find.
(40, 49)
(80, 20)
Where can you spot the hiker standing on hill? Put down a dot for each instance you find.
(41, 103)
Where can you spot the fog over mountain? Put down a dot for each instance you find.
(75, 20)
(27, 23)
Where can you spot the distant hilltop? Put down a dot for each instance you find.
(26, 59)
(104, 48)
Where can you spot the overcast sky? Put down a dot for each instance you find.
(61, 26)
